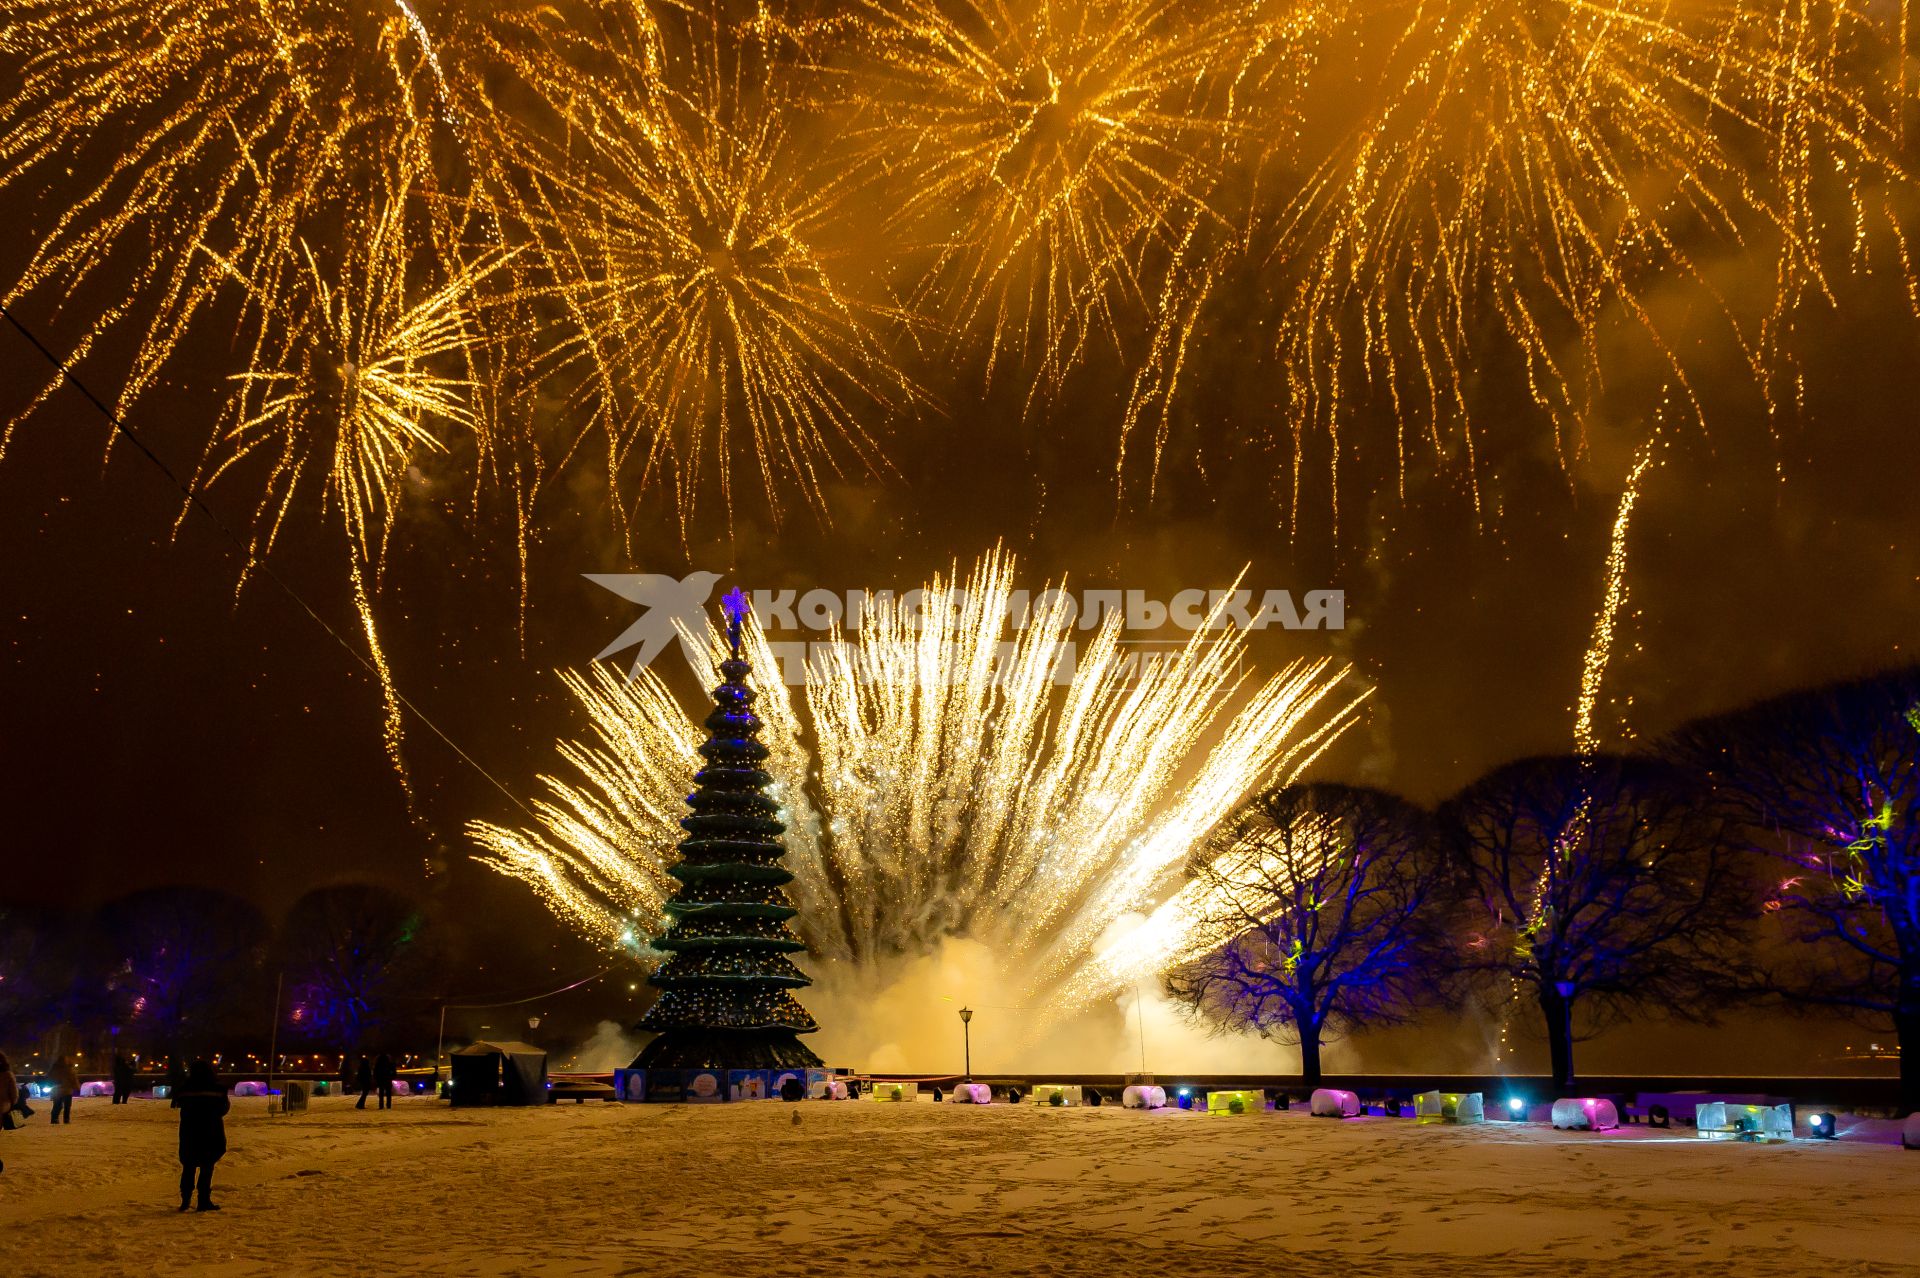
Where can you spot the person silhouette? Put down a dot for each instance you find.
(203, 1106)
(383, 1079)
(66, 1085)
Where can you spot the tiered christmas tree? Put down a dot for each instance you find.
(726, 988)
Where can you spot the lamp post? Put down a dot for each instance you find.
(966, 1038)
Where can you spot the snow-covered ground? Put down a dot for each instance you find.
(860, 1188)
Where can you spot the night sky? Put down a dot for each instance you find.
(161, 729)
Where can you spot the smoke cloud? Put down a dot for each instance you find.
(609, 1048)
(906, 1020)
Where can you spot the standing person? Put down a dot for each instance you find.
(176, 1077)
(9, 1094)
(346, 1074)
(383, 1079)
(122, 1079)
(66, 1085)
(203, 1107)
(363, 1082)
(9, 1098)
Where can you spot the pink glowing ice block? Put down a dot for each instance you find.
(1331, 1102)
(1585, 1114)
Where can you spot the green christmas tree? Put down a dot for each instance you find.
(726, 988)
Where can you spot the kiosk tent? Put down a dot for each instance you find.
(488, 1073)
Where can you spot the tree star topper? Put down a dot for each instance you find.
(735, 602)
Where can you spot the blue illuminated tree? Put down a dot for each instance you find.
(187, 966)
(355, 956)
(1604, 887)
(726, 988)
(53, 977)
(1336, 901)
(1825, 784)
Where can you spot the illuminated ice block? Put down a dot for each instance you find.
(96, 1089)
(1057, 1095)
(1235, 1102)
(248, 1087)
(893, 1091)
(1331, 1102)
(1910, 1132)
(1585, 1114)
(828, 1089)
(970, 1094)
(1144, 1096)
(1449, 1107)
(1728, 1120)
(401, 1087)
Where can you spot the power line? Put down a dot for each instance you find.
(241, 544)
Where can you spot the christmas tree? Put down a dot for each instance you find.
(726, 988)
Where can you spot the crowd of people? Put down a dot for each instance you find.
(196, 1091)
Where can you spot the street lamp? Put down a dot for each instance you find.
(966, 1037)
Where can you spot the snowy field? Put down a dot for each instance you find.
(861, 1188)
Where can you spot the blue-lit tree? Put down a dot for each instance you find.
(1825, 784)
(53, 977)
(354, 956)
(1335, 903)
(186, 967)
(1604, 887)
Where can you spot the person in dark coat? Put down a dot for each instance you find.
(363, 1082)
(176, 1078)
(9, 1094)
(9, 1099)
(383, 1079)
(203, 1108)
(122, 1079)
(66, 1086)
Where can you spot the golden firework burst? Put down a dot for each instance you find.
(938, 778)
(687, 236)
(1050, 158)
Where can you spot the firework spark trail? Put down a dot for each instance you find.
(1593, 665)
(934, 788)
(1586, 737)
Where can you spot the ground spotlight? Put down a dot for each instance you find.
(1184, 1098)
(1822, 1127)
(1013, 1096)
(1657, 1116)
(1093, 1098)
(1516, 1108)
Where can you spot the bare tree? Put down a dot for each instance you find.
(352, 954)
(1329, 901)
(187, 965)
(1605, 886)
(1826, 783)
(53, 977)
